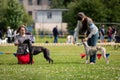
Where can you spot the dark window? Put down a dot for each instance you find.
(49, 15)
(39, 2)
(29, 2)
(21, 1)
(30, 13)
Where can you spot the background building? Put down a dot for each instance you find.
(44, 17)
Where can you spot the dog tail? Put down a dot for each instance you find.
(46, 54)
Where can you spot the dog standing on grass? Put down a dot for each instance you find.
(34, 50)
(91, 50)
(38, 49)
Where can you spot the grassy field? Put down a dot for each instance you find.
(68, 65)
(39, 39)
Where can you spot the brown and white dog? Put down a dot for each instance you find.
(90, 50)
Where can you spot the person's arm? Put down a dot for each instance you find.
(77, 29)
(92, 32)
(92, 27)
(16, 43)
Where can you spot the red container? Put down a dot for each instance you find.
(23, 58)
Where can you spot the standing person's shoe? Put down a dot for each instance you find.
(92, 63)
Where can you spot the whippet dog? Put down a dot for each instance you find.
(90, 50)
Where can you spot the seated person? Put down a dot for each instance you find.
(22, 52)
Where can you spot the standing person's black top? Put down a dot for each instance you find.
(55, 31)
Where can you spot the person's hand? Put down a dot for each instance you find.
(86, 39)
(16, 43)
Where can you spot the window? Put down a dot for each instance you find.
(21, 1)
(49, 15)
(39, 2)
(29, 2)
(49, 2)
(30, 13)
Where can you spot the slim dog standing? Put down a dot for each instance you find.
(34, 50)
(91, 50)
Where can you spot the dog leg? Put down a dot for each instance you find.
(47, 55)
(86, 58)
(104, 55)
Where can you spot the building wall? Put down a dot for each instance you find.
(44, 4)
(48, 27)
(48, 16)
(40, 15)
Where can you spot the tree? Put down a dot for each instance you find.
(14, 14)
(113, 10)
(2, 12)
(27, 19)
(92, 8)
(57, 4)
(66, 2)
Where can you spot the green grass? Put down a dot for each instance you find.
(68, 65)
(49, 39)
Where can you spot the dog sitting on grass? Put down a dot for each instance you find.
(91, 50)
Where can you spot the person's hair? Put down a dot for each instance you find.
(22, 26)
(80, 15)
(84, 25)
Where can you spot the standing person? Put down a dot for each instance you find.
(22, 52)
(102, 33)
(9, 35)
(55, 34)
(113, 33)
(88, 28)
(109, 33)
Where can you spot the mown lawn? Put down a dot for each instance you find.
(68, 65)
(39, 39)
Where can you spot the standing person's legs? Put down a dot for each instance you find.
(102, 38)
(109, 38)
(8, 39)
(92, 42)
(55, 39)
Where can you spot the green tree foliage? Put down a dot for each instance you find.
(92, 8)
(13, 14)
(27, 19)
(66, 2)
(57, 4)
(113, 10)
(2, 12)
(98, 10)
(60, 3)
